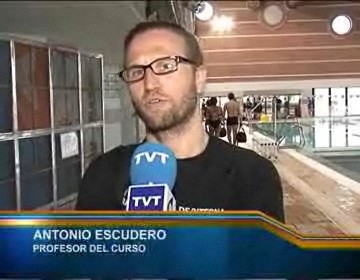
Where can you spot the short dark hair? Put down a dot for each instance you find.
(213, 101)
(192, 46)
(231, 96)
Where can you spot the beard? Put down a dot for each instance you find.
(175, 116)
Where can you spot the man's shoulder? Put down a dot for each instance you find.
(238, 154)
(114, 156)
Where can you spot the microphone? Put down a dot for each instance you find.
(152, 175)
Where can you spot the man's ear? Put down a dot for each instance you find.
(200, 79)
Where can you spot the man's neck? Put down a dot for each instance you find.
(189, 141)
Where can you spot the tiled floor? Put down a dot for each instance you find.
(304, 217)
(316, 204)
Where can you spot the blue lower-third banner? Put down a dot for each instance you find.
(168, 245)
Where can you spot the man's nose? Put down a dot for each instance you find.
(150, 79)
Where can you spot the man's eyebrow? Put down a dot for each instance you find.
(135, 65)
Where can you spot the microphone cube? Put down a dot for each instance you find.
(151, 197)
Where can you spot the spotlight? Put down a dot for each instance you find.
(222, 24)
(204, 11)
(341, 24)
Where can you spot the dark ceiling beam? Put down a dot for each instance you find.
(293, 4)
(253, 5)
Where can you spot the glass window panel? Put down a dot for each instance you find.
(60, 111)
(25, 108)
(6, 123)
(66, 107)
(96, 72)
(7, 160)
(71, 71)
(23, 64)
(91, 73)
(353, 101)
(65, 69)
(41, 108)
(41, 67)
(338, 107)
(68, 169)
(93, 144)
(354, 134)
(35, 154)
(338, 134)
(321, 100)
(68, 179)
(222, 100)
(33, 108)
(35, 172)
(7, 195)
(5, 62)
(36, 190)
(85, 72)
(7, 176)
(59, 69)
(92, 106)
(322, 135)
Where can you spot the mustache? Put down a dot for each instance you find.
(154, 94)
(162, 96)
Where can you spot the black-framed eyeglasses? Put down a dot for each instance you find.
(160, 66)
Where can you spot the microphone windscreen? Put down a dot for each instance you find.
(153, 163)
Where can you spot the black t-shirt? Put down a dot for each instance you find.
(223, 177)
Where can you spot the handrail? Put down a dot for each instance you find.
(301, 133)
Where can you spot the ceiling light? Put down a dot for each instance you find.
(204, 11)
(222, 23)
(273, 15)
(341, 24)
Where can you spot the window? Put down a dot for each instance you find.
(7, 176)
(6, 104)
(5, 69)
(66, 88)
(353, 101)
(337, 97)
(68, 168)
(6, 116)
(321, 102)
(32, 76)
(35, 172)
(91, 89)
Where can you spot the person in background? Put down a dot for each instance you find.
(214, 115)
(257, 108)
(286, 107)
(233, 114)
(203, 113)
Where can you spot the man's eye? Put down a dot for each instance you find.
(135, 72)
(165, 66)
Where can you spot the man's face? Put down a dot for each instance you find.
(167, 101)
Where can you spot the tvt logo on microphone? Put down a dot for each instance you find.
(150, 198)
(150, 157)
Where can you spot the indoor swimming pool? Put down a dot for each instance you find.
(333, 142)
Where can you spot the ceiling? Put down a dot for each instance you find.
(93, 26)
(301, 47)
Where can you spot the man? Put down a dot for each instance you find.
(163, 67)
(232, 110)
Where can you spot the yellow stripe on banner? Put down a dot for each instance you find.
(259, 221)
